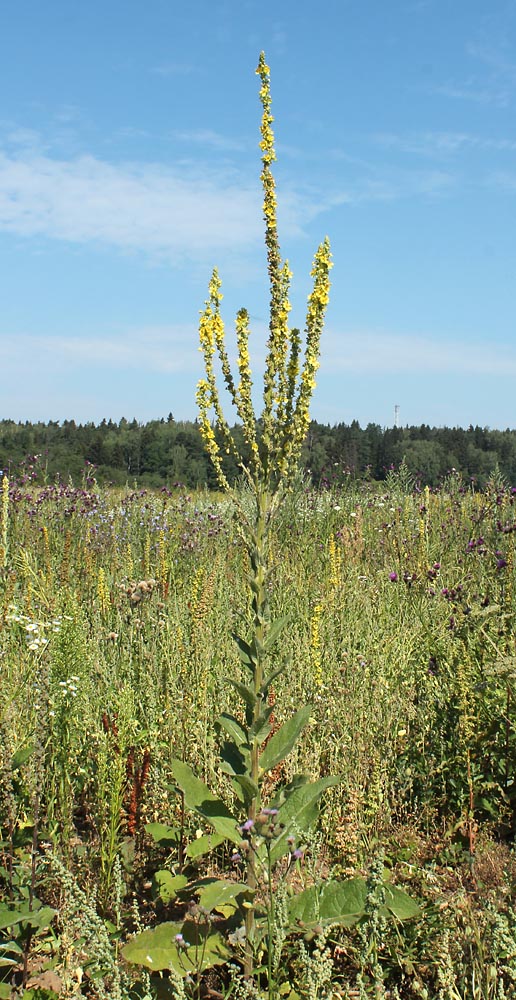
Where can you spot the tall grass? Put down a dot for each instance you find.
(116, 611)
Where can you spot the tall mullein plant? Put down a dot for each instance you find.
(289, 382)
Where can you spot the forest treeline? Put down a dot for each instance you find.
(166, 451)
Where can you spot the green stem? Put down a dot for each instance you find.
(259, 564)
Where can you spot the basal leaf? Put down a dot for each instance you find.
(158, 949)
(219, 893)
(163, 834)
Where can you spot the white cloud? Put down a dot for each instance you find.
(165, 349)
(174, 350)
(133, 206)
(207, 137)
(472, 90)
(374, 352)
(173, 69)
(442, 143)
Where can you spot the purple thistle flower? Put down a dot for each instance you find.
(393, 577)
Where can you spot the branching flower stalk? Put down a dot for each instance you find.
(273, 454)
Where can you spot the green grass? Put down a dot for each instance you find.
(116, 614)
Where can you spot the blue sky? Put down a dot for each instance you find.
(129, 167)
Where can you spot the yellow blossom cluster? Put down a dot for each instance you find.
(288, 385)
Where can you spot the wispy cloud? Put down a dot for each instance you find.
(442, 144)
(135, 207)
(164, 349)
(174, 68)
(207, 137)
(181, 213)
(374, 352)
(493, 82)
(472, 90)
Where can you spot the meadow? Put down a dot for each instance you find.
(117, 609)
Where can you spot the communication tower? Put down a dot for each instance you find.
(396, 415)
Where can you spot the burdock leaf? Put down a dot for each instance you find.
(160, 948)
(299, 811)
(163, 834)
(332, 902)
(218, 893)
(400, 904)
(204, 845)
(166, 885)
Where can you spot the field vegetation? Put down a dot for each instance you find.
(117, 612)
(258, 743)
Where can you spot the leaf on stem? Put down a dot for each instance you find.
(199, 798)
(280, 745)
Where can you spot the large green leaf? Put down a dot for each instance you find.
(166, 885)
(333, 902)
(199, 798)
(344, 903)
(203, 845)
(39, 917)
(8, 917)
(299, 811)
(157, 949)
(400, 904)
(217, 894)
(274, 630)
(280, 745)
(234, 729)
(163, 834)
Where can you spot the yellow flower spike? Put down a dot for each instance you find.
(287, 387)
(4, 521)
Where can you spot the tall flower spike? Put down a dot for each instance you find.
(287, 390)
